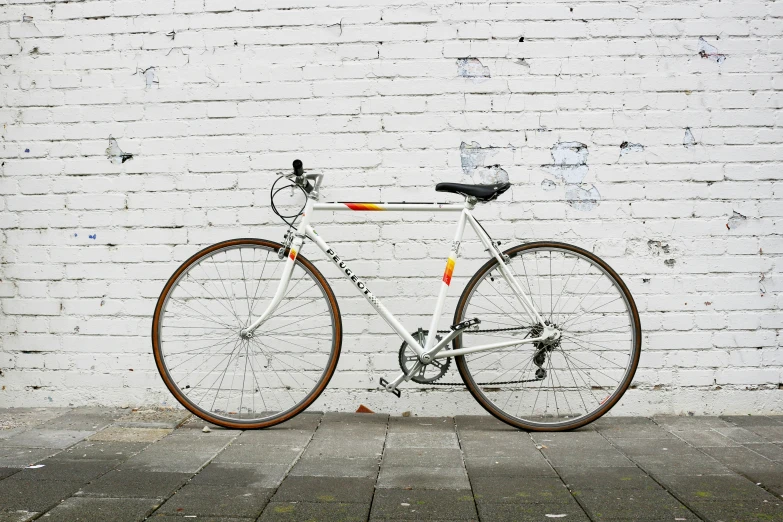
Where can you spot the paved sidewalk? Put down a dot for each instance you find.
(97, 464)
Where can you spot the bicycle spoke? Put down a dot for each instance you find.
(562, 393)
(229, 373)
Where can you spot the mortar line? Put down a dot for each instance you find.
(581, 506)
(285, 476)
(380, 463)
(464, 465)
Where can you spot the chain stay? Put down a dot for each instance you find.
(486, 383)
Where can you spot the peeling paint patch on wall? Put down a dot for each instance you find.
(710, 52)
(736, 220)
(688, 140)
(115, 154)
(150, 77)
(570, 166)
(473, 158)
(627, 148)
(472, 68)
(472, 155)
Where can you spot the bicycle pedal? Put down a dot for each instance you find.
(395, 391)
(466, 324)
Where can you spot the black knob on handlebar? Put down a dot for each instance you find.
(298, 169)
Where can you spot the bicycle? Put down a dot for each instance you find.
(243, 346)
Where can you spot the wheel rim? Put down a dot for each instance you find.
(229, 379)
(586, 372)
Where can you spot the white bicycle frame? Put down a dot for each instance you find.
(431, 350)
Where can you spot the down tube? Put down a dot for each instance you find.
(362, 288)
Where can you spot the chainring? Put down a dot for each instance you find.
(428, 373)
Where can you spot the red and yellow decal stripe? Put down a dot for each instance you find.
(363, 206)
(292, 254)
(449, 270)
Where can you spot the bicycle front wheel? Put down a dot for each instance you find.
(561, 385)
(239, 381)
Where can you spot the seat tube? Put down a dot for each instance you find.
(446, 281)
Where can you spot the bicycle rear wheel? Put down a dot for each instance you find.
(238, 382)
(561, 385)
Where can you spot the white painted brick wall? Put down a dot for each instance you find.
(369, 92)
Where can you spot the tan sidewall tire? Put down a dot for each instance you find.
(462, 364)
(338, 338)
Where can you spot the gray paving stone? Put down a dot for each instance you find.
(258, 454)
(742, 460)
(153, 419)
(336, 467)
(35, 495)
(771, 481)
(525, 490)
(354, 419)
(46, 438)
(325, 489)
(241, 475)
(681, 464)
(303, 421)
(751, 420)
(155, 459)
(275, 437)
(573, 439)
(217, 501)
(583, 459)
(421, 504)
(768, 450)
(631, 505)
(21, 457)
(85, 509)
(299, 511)
(177, 518)
(83, 471)
(633, 447)
(740, 435)
(7, 472)
(508, 467)
(423, 478)
(124, 434)
(85, 419)
(24, 418)
(345, 448)
(422, 440)
(423, 457)
(768, 433)
(531, 512)
(705, 438)
(608, 479)
(483, 423)
(17, 516)
(737, 511)
(716, 488)
(135, 484)
(99, 450)
(419, 424)
(679, 422)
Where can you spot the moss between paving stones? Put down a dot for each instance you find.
(298, 511)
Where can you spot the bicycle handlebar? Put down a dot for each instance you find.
(298, 168)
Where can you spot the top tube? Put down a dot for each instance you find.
(395, 206)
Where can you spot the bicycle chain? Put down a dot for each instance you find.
(486, 383)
